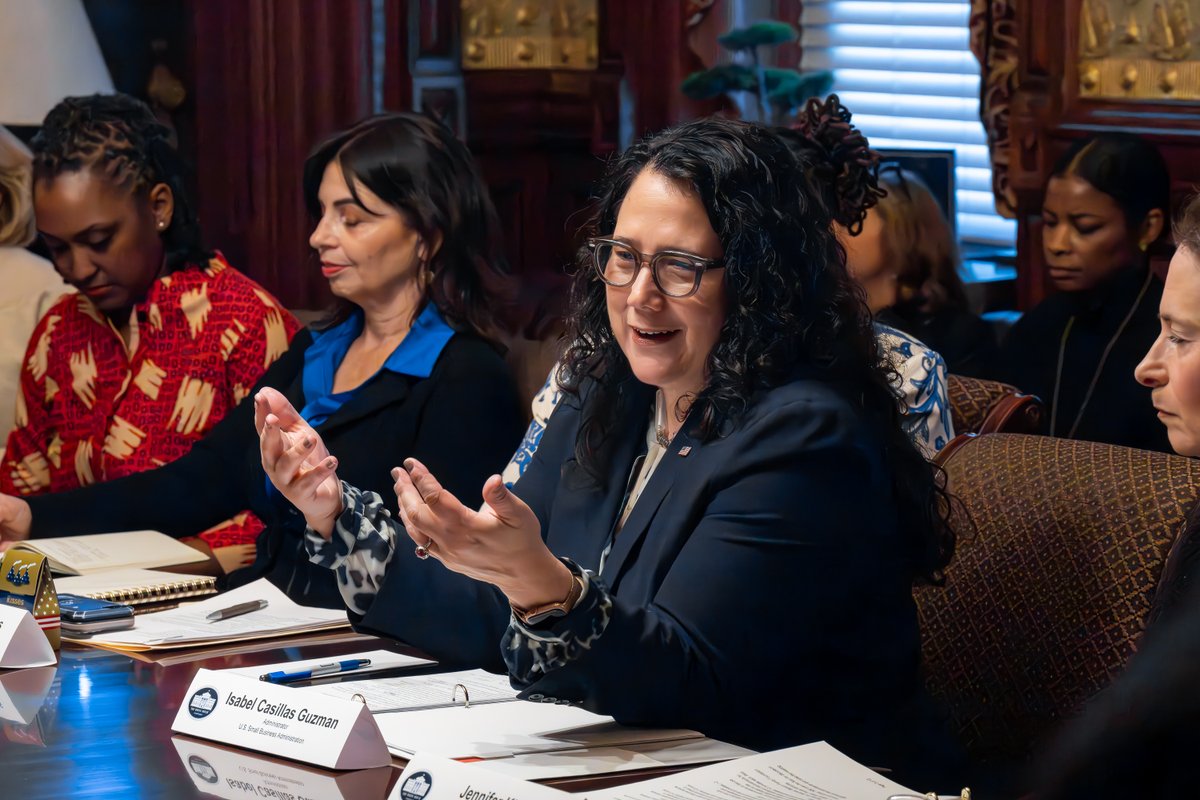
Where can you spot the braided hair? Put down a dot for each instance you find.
(839, 159)
(119, 138)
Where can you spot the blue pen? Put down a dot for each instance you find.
(280, 676)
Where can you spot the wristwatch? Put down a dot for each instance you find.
(558, 609)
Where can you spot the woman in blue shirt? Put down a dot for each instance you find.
(404, 366)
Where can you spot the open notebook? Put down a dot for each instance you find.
(80, 555)
(137, 586)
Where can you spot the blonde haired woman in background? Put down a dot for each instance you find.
(30, 283)
(906, 259)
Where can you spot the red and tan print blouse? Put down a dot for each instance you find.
(92, 409)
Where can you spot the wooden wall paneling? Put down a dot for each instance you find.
(541, 137)
(273, 78)
(434, 63)
(397, 76)
(1049, 113)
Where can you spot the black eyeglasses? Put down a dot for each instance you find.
(675, 273)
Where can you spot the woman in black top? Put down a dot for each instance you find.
(404, 366)
(1105, 205)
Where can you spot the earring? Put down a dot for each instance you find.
(1143, 246)
(161, 225)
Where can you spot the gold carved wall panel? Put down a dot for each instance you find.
(529, 34)
(1139, 49)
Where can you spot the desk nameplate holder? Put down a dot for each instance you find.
(436, 778)
(281, 721)
(25, 583)
(21, 641)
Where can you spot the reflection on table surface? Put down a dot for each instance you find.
(99, 725)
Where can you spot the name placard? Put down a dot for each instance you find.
(281, 720)
(437, 778)
(22, 643)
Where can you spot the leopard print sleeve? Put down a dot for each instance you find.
(532, 651)
(360, 549)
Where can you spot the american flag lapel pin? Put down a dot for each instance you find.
(683, 451)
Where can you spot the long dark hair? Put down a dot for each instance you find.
(791, 303)
(414, 164)
(119, 137)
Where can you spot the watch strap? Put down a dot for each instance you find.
(560, 608)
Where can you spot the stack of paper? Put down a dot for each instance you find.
(427, 714)
(808, 772)
(188, 626)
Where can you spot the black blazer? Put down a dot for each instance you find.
(464, 421)
(762, 583)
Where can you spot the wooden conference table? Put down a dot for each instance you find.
(104, 730)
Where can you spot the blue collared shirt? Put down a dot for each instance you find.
(415, 355)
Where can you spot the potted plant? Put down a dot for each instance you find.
(778, 91)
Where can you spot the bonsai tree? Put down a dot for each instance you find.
(778, 92)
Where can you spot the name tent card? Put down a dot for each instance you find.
(25, 583)
(437, 778)
(22, 643)
(302, 726)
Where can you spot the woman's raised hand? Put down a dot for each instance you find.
(297, 461)
(15, 520)
(501, 543)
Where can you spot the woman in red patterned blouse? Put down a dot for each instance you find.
(164, 337)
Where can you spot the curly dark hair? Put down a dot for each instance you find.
(415, 164)
(118, 137)
(838, 157)
(791, 303)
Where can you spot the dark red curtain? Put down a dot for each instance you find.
(272, 77)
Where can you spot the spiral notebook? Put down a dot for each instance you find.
(137, 586)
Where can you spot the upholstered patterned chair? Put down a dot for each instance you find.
(1048, 593)
(983, 406)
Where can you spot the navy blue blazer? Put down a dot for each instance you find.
(761, 585)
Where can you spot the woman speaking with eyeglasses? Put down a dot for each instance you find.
(722, 524)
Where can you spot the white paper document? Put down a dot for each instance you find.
(808, 772)
(420, 692)
(187, 625)
(497, 730)
(77, 555)
(608, 760)
(22, 643)
(814, 771)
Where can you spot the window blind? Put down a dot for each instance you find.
(906, 71)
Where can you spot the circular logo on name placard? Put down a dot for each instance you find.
(202, 702)
(202, 769)
(416, 786)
